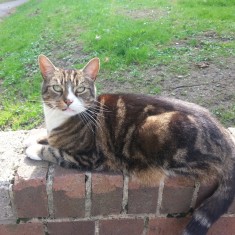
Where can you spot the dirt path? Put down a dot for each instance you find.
(7, 8)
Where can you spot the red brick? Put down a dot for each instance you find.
(177, 195)
(142, 199)
(167, 226)
(29, 189)
(224, 226)
(205, 191)
(107, 190)
(71, 228)
(122, 227)
(69, 193)
(22, 229)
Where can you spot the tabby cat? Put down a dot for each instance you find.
(140, 134)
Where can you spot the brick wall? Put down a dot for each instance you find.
(49, 200)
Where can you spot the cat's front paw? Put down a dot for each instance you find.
(34, 151)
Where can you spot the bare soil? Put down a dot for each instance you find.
(212, 86)
(149, 14)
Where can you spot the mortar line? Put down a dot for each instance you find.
(45, 227)
(146, 225)
(195, 194)
(125, 193)
(11, 195)
(97, 218)
(49, 189)
(97, 227)
(88, 194)
(160, 196)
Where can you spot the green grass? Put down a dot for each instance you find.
(226, 115)
(3, 1)
(78, 30)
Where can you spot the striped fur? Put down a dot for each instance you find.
(151, 137)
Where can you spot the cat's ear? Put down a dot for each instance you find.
(46, 66)
(91, 69)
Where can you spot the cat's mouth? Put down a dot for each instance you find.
(68, 110)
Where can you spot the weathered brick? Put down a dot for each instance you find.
(22, 229)
(167, 226)
(71, 228)
(142, 199)
(177, 195)
(6, 211)
(205, 191)
(29, 189)
(69, 193)
(11, 154)
(224, 226)
(122, 227)
(107, 192)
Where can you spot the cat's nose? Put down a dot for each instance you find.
(68, 101)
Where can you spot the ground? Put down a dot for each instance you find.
(192, 62)
(211, 87)
(208, 83)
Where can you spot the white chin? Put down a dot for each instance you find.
(70, 112)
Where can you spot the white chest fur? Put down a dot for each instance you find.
(54, 118)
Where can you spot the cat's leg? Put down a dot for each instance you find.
(50, 154)
(82, 161)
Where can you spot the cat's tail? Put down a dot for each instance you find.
(214, 206)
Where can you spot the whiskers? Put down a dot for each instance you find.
(86, 119)
(101, 107)
(89, 117)
(92, 116)
(49, 103)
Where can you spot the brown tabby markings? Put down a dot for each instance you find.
(120, 117)
(153, 131)
(149, 137)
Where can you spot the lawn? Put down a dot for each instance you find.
(3, 1)
(171, 47)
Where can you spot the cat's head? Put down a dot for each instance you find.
(70, 91)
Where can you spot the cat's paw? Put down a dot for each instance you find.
(33, 152)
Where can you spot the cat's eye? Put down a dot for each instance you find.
(80, 89)
(57, 88)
